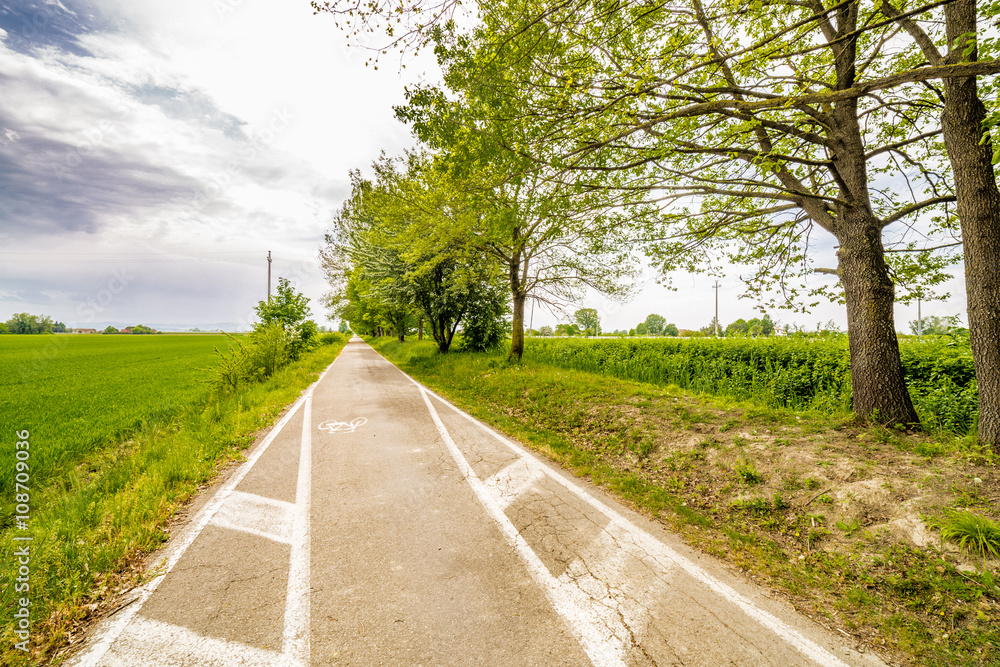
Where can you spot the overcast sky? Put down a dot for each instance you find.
(151, 153)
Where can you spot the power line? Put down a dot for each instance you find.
(130, 254)
(119, 258)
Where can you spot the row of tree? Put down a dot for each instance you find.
(398, 260)
(137, 329)
(26, 323)
(572, 134)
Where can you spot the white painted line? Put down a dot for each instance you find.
(513, 480)
(149, 643)
(111, 632)
(604, 645)
(666, 555)
(297, 604)
(257, 515)
(618, 581)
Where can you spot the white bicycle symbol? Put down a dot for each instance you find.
(342, 427)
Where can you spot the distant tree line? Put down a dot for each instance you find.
(588, 324)
(26, 323)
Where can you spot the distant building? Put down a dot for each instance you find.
(84, 330)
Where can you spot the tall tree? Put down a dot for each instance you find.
(753, 134)
(383, 239)
(655, 324)
(554, 240)
(970, 152)
(589, 320)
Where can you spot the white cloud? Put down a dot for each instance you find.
(188, 129)
(172, 129)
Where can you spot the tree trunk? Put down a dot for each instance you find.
(420, 329)
(517, 329)
(877, 381)
(519, 296)
(979, 215)
(442, 334)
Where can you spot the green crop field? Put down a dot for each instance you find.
(798, 372)
(77, 393)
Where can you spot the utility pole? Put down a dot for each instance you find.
(920, 320)
(716, 287)
(269, 276)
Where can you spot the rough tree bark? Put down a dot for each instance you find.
(979, 215)
(519, 296)
(877, 382)
(978, 202)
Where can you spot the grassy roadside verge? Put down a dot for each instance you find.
(806, 503)
(92, 530)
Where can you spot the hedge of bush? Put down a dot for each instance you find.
(794, 371)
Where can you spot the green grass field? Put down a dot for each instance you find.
(77, 393)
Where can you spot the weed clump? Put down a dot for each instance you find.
(976, 534)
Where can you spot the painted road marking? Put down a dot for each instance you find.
(602, 644)
(296, 633)
(513, 480)
(334, 426)
(649, 545)
(257, 515)
(149, 643)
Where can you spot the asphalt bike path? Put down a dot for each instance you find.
(376, 524)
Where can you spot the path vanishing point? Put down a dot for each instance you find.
(376, 524)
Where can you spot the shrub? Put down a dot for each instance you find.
(797, 371)
(484, 327)
(331, 338)
(264, 351)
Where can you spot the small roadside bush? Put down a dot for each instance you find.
(484, 327)
(280, 337)
(331, 338)
(265, 350)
